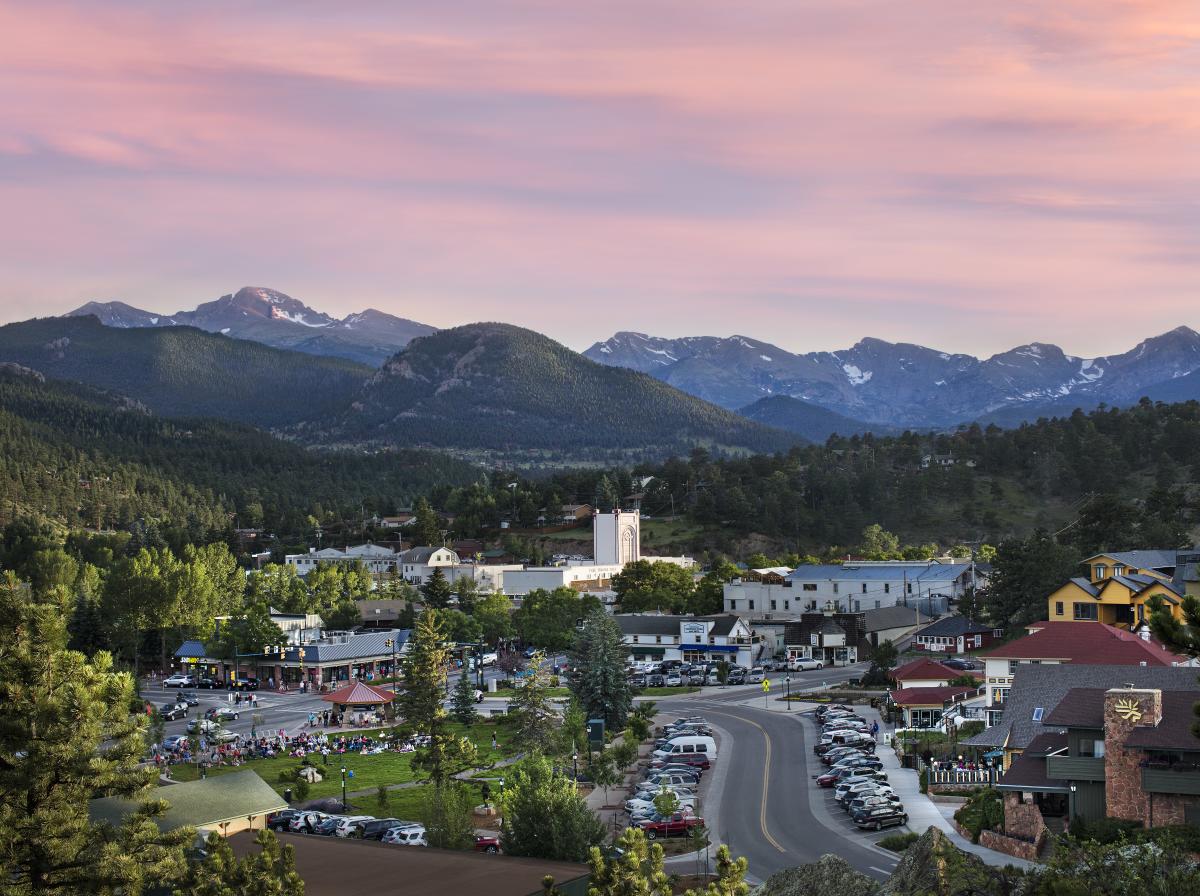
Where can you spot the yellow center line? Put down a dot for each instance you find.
(762, 813)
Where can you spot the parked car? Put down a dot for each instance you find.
(881, 817)
(487, 844)
(329, 826)
(243, 684)
(859, 762)
(737, 676)
(179, 680)
(757, 674)
(656, 680)
(676, 826)
(347, 824)
(806, 664)
(202, 726)
(377, 827)
(638, 680)
(845, 793)
(222, 736)
(645, 808)
(279, 821)
(206, 682)
(861, 804)
(306, 822)
(696, 679)
(674, 680)
(698, 761)
(173, 711)
(188, 697)
(174, 741)
(405, 835)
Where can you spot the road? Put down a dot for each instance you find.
(766, 806)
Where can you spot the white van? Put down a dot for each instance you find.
(687, 744)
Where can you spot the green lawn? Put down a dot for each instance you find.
(550, 692)
(666, 692)
(369, 771)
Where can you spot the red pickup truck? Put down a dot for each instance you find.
(676, 826)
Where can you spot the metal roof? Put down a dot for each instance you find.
(362, 645)
(852, 572)
(203, 803)
(886, 618)
(1140, 559)
(953, 626)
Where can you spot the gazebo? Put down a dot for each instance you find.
(360, 698)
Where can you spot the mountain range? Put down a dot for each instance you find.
(275, 319)
(905, 385)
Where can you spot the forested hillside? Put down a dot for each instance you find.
(182, 371)
(505, 391)
(86, 458)
(1131, 475)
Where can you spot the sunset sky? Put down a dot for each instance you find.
(967, 175)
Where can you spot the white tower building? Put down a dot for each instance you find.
(616, 537)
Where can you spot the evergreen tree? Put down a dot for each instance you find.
(436, 592)
(269, 872)
(601, 686)
(426, 527)
(544, 815)
(66, 737)
(463, 705)
(1025, 572)
(536, 720)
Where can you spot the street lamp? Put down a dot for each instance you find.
(390, 644)
(787, 690)
(343, 788)
(575, 766)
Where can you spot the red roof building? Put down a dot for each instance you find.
(925, 673)
(1087, 643)
(924, 707)
(359, 693)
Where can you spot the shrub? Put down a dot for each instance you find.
(1104, 830)
(288, 774)
(302, 788)
(970, 729)
(982, 812)
(924, 780)
(899, 842)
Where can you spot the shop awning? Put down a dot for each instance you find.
(639, 650)
(716, 648)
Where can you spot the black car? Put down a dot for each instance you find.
(328, 826)
(376, 828)
(188, 697)
(657, 680)
(243, 684)
(736, 677)
(279, 821)
(637, 681)
(881, 817)
(173, 711)
(208, 683)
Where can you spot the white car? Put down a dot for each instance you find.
(646, 807)
(178, 680)
(405, 835)
(756, 675)
(306, 821)
(806, 664)
(346, 826)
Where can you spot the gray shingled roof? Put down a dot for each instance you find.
(890, 617)
(1044, 685)
(638, 624)
(953, 626)
(203, 803)
(357, 646)
(1140, 559)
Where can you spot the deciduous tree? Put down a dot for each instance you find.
(544, 816)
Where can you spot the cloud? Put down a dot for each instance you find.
(669, 166)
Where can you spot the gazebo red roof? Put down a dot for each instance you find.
(359, 694)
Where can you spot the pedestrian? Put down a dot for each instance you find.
(494, 743)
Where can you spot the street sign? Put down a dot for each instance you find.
(766, 686)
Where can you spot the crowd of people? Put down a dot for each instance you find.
(298, 746)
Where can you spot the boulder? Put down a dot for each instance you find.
(934, 866)
(828, 876)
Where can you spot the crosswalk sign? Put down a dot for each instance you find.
(766, 686)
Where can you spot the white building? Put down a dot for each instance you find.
(692, 639)
(928, 585)
(616, 537)
(377, 559)
(418, 564)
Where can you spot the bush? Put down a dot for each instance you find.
(982, 812)
(288, 774)
(302, 788)
(924, 780)
(970, 729)
(898, 842)
(1105, 830)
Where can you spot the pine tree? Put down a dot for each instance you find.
(536, 720)
(601, 686)
(463, 705)
(66, 737)
(436, 592)
(269, 872)
(426, 527)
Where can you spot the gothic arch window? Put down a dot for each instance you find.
(628, 545)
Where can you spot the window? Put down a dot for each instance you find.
(876, 605)
(658, 639)
(1118, 570)
(810, 586)
(1058, 608)
(786, 604)
(1090, 747)
(732, 604)
(635, 639)
(857, 606)
(835, 587)
(1037, 713)
(910, 588)
(864, 587)
(887, 588)
(1099, 571)
(752, 605)
(1012, 667)
(1084, 611)
(698, 639)
(773, 604)
(1001, 694)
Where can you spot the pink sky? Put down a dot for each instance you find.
(970, 176)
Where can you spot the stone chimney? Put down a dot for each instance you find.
(1126, 709)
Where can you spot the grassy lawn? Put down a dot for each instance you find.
(369, 771)
(550, 692)
(666, 692)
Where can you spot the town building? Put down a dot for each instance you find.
(923, 673)
(930, 586)
(692, 639)
(1050, 643)
(955, 635)
(1125, 751)
(929, 707)
(1035, 690)
(223, 804)
(417, 564)
(378, 560)
(1120, 587)
(575, 514)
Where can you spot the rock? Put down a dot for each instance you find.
(310, 774)
(934, 866)
(828, 876)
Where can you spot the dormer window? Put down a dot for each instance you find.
(1099, 571)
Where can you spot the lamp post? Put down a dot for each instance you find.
(390, 644)
(787, 690)
(575, 766)
(343, 788)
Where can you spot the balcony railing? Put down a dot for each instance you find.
(1075, 768)
(1181, 779)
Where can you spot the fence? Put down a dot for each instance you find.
(965, 776)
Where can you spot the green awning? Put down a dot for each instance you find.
(639, 650)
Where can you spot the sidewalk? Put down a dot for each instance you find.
(923, 812)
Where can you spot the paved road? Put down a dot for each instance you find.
(765, 803)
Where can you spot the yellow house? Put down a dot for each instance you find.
(1120, 584)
